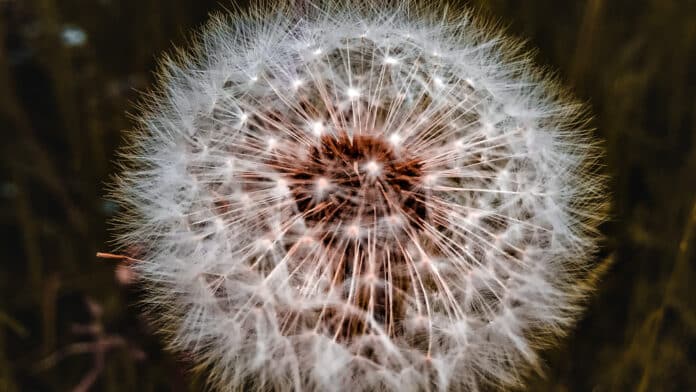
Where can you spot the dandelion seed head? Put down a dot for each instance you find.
(362, 211)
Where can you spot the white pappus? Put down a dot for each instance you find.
(366, 196)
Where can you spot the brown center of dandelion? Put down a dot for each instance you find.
(360, 196)
(356, 182)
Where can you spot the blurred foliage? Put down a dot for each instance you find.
(71, 69)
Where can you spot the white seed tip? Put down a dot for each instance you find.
(317, 127)
(353, 92)
(373, 168)
(395, 139)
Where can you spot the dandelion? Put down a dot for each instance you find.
(360, 197)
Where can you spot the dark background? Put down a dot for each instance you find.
(71, 69)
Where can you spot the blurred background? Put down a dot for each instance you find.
(70, 71)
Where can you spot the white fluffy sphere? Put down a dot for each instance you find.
(360, 197)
